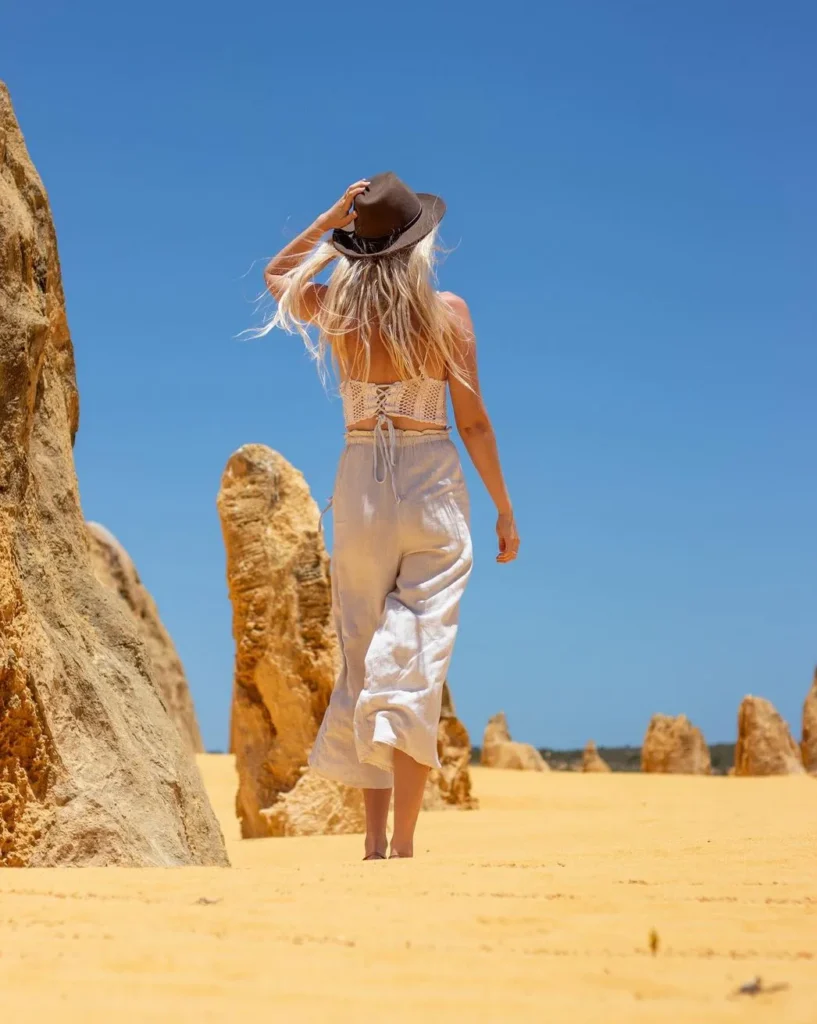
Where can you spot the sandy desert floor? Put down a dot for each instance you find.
(537, 907)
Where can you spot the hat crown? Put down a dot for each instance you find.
(388, 205)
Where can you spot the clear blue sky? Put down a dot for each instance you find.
(631, 202)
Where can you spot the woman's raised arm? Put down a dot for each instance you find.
(338, 216)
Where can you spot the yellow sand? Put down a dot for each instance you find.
(538, 907)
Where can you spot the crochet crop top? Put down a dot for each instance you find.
(419, 398)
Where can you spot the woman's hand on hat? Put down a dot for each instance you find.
(508, 537)
(341, 214)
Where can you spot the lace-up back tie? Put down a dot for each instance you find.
(418, 398)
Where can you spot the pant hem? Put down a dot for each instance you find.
(368, 756)
(348, 778)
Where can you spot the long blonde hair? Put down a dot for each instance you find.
(392, 297)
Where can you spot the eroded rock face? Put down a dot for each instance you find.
(500, 751)
(809, 744)
(592, 761)
(115, 569)
(316, 806)
(92, 770)
(450, 786)
(673, 745)
(765, 745)
(286, 649)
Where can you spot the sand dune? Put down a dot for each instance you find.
(536, 907)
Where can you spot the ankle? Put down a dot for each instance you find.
(376, 843)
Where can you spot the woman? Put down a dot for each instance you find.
(402, 548)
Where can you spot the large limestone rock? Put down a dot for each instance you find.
(809, 744)
(286, 649)
(592, 761)
(765, 745)
(673, 745)
(92, 770)
(114, 568)
(500, 751)
(450, 786)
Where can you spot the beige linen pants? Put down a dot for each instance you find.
(401, 559)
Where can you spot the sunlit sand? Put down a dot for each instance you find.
(538, 906)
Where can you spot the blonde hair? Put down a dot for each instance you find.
(392, 297)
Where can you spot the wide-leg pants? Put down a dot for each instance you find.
(401, 559)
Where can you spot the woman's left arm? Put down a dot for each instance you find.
(338, 216)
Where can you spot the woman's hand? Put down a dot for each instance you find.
(508, 538)
(341, 215)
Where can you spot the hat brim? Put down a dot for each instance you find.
(348, 243)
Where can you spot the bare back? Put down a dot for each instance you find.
(383, 371)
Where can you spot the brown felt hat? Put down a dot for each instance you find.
(389, 217)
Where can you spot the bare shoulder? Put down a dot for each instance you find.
(459, 307)
(456, 303)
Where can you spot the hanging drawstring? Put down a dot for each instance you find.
(324, 510)
(385, 450)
